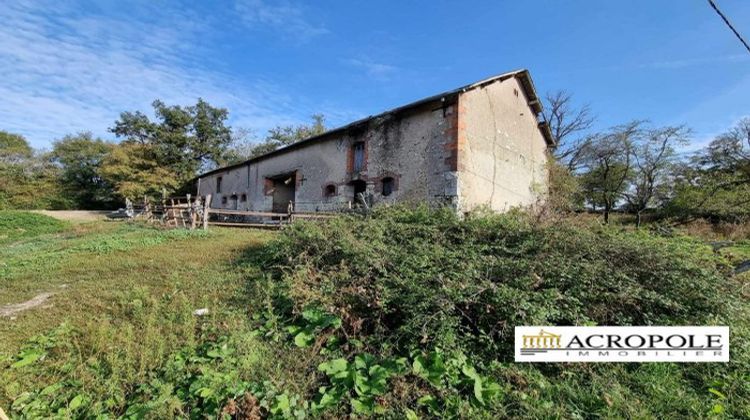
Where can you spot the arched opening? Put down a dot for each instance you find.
(329, 190)
(388, 186)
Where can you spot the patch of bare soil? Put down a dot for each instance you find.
(75, 215)
(10, 310)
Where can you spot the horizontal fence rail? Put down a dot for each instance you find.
(194, 212)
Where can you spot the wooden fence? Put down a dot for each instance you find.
(194, 212)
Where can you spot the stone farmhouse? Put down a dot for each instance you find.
(483, 144)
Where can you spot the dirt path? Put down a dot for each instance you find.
(75, 215)
(10, 310)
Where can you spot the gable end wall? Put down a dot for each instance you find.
(502, 153)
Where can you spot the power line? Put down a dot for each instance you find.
(711, 2)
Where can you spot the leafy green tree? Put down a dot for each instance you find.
(182, 139)
(32, 187)
(715, 184)
(28, 180)
(14, 147)
(608, 167)
(80, 158)
(653, 157)
(135, 171)
(564, 193)
(730, 152)
(712, 195)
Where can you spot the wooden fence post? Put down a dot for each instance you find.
(146, 213)
(189, 212)
(206, 206)
(193, 209)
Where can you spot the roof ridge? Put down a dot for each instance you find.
(529, 89)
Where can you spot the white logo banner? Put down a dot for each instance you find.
(622, 344)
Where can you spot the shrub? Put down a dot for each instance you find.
(404, 281)
(413, 277)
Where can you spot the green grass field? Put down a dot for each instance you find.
(16, 225)
(94, 269)
(127, 292)
(117, 335)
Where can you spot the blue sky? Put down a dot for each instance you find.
(71, 66)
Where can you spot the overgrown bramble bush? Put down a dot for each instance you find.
(416, 278)
(419, 280)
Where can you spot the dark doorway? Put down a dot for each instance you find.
(283, 191)
(360, 190)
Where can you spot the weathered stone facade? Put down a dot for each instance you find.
(477, 145)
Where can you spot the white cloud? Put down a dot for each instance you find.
(372, 68)
(65, 70)
(280, 15)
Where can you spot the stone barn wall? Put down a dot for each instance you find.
(476, 146)
(414, 148)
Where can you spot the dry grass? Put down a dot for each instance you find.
(91, 266)
(717, 231)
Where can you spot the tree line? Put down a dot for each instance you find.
(637, 168)
(153, 155)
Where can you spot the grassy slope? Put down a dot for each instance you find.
(90, 268)
(130, 291)
(16, 225)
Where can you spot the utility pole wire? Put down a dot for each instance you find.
(711, 2)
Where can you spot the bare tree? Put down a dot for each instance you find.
(241, 149)
(565, 121)
(607, 163)
(653, 155)
(730, 151)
